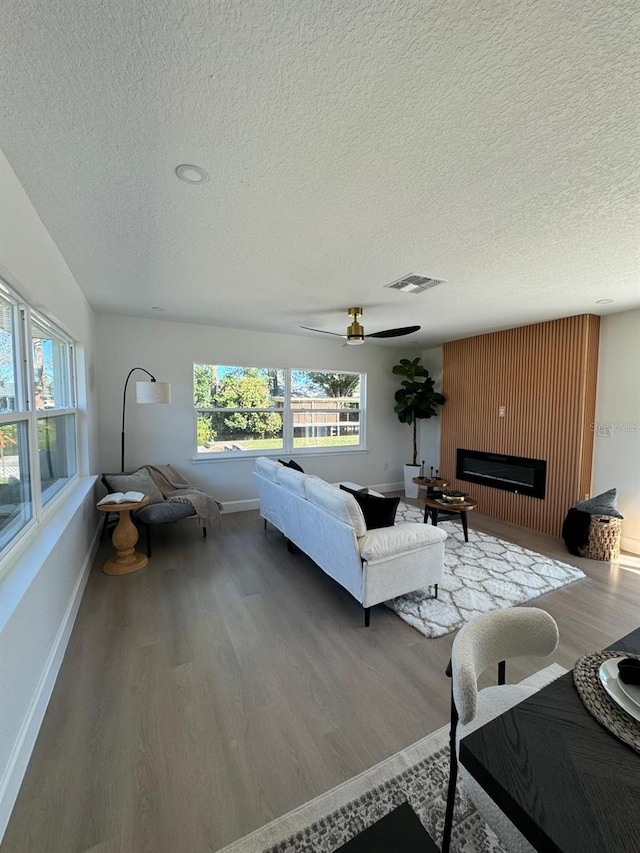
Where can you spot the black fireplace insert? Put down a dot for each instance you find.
(511, 473)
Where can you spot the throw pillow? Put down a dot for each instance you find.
(139, 481)
(378, 512)
(291, 464)
(604, 504)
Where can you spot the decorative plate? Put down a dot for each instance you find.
(608, 674)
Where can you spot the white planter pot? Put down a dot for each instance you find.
(410, 488)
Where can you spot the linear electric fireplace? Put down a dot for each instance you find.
(510, 473)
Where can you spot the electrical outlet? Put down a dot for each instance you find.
(501, 411)
(604, 431)
(386, 466)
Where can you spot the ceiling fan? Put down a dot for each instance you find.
(355, 332)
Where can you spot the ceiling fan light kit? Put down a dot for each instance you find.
(355, 332)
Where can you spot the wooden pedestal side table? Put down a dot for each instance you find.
(124, 539)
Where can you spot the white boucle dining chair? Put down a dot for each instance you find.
(490, 639)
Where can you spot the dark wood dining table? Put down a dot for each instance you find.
(563, 779)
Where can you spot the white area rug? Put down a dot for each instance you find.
(418, 775)
(483, 574)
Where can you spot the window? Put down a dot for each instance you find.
(272, 408)
(325, 409)
(56, 453)
(51, 367)
(16, 504)
(238, 408)
(37, 414)
(53, 398)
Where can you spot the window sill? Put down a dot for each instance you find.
(21, 565)
(253, 454)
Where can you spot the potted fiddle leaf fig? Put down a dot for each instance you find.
(415, 399)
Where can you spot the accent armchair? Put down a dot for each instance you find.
(160, 511)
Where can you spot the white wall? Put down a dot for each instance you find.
(43, 579)
(616, 453)
(429, 429)
(166, 433)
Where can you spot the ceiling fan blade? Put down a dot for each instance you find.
(322, 331)
(394, 333)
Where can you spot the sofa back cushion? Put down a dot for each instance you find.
(139, 481)
(291, 480)
(267, 468)
(338, 503)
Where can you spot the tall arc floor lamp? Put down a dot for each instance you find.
(146, 392)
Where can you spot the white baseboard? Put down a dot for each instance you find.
(389, 487)
(23, 746)
(631, 544)
(241, 506)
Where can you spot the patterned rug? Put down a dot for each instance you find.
(418, 775)
(482, 574)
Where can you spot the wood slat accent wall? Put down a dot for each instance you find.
(545, 376)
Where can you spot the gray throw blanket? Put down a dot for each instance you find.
(175, 489)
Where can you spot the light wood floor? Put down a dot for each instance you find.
(230, 681)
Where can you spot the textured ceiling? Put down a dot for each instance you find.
(493, 144)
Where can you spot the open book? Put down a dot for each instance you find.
(122, 498)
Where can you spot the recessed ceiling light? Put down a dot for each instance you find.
(191, 174)
(604, 301)
(156, 308)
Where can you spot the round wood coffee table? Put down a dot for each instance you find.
(434, 506)
(124, 539)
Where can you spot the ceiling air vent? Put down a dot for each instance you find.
(415, 283)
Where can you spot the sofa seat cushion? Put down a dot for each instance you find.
(164, 512)
(386, 542)
(336, 502)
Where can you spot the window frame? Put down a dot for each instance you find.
(288, 422)
(25, 412)
(68, 377)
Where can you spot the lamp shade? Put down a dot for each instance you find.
(153, 392)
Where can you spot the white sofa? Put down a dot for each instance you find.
(327, 524)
